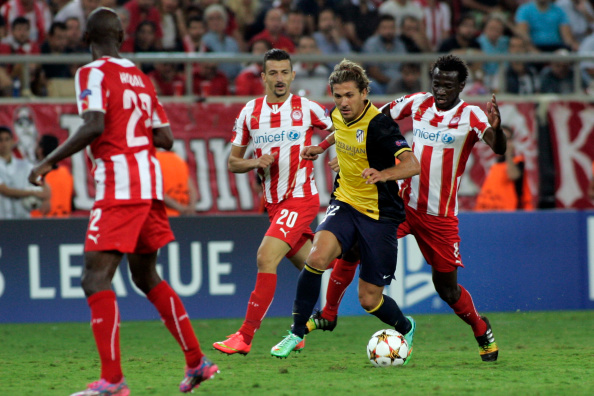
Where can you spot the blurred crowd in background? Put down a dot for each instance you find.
(308, 27)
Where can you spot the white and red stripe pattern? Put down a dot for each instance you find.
(442, 142)
(282, 130)
(125, 166)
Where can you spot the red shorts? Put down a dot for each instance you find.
(133, 228)
(290, 221)
(438, 238)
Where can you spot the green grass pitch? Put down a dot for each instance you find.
(541, 353)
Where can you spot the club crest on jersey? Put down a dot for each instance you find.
(360, 135)
(293, 135)
(448, 138)
(296, 115)
(455, 120)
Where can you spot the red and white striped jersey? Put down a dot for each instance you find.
(125, 167)
(282, 130)
(442, 141)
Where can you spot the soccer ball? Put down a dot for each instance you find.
(387, 348)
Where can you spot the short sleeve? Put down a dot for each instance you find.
(320, 116)
(90, 92)
(159, 116)
(241, 133)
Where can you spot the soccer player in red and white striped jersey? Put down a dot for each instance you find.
(123, 123)
(278, 125)
(445, 128)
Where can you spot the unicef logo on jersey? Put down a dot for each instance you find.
(293, 135)
(447, 138)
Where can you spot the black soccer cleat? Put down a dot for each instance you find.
(317, 322)
(487, 346)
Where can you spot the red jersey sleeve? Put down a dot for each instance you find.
(90, 92)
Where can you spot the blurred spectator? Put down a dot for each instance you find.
(145, 40)
(493, 41)
(506, 185)
(172, 23)
(312, 10)
(37, 13)
(74, 36)
(128, 42)
(180, 191)
(273, 31)
(413, 36)
(545, 25)
(311, 78)
(59, 181)
(581, 17)
(245, 12)
(144, 11)
(249, 81)
(167, 80)
(18, 42)
(14, 185)
(521, 78)
(409, 81)
(329, 36)
(25, 131)
(56, 44)
(3, 30)
(481, 9)
(56, 5)
(216, 40)
(587, 67)
(385, 41)
(463, 39)
(295, 26)
(79, 9)
(195, 32)
(558, 76)
(438, 21)
(209, 81)
(360, 19)
(400, 8)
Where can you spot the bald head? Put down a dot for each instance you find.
(104, 28)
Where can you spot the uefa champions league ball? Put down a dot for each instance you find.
(387, 348)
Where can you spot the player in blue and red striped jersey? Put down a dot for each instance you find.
(445, 128)
(123, 123)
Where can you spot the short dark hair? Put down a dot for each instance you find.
(20, 21)
(194, 18)
(48, 143)
(386, 17)
(57, 25)
(5, 129)
(451, 63)
(276, 54)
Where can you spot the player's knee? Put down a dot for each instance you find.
(448, 294)
(266, 262)
(318, 261)
(369, 302)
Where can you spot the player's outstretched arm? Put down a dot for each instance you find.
(494, 136)
(407, 167)
(238, 164)
(90, 130)
(311, 153)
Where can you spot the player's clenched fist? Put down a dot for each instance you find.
(311, 152)
(373, 176)
(265, 161)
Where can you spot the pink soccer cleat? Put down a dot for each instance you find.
(195, 376)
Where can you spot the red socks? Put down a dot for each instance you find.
(341, 277)
(173, 314)
(465, 309)
(260, 301)
(105, 323)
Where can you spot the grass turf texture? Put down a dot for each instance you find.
(541, 353)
